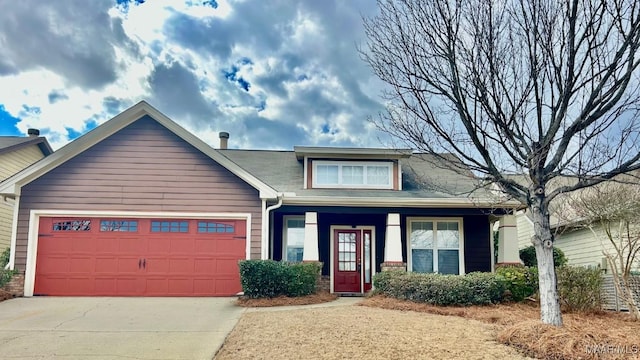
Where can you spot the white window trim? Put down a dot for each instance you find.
(285, 241)
(340, 164)
(435, 220)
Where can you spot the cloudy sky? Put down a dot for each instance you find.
(273, 73)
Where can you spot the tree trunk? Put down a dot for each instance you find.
(543, 243)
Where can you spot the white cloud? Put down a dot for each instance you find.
(303, 74)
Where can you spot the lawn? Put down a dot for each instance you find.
(384, 328)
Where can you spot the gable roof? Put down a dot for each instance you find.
(12, 143)
(424, 183)
(562, 212)
(13, 185)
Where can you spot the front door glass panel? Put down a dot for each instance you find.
(347, 252)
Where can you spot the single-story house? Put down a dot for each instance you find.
(17, 153)
(141, 207)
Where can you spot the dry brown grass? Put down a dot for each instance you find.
(617, 336)
(358, 332)
(318, 298)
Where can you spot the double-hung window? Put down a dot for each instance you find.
(436, 246)
(352, 174)
(293, 238)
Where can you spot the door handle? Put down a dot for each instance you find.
(139, 263)
(358, 267)
(144, 263)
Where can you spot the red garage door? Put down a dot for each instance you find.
(139, 257)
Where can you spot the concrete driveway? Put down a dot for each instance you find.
(111, 328)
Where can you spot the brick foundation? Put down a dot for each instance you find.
(393, 266)
(324, 283)
(16, 286)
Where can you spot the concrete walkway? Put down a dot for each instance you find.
(341, 301)
(115, 328)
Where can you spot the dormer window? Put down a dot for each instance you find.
(352, 174)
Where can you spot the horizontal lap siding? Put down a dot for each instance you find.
(11, 163)
(525, 230)
(144, 167)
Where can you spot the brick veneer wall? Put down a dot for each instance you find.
(16, 286)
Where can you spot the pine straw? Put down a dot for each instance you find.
(318, 298)
(615, 334)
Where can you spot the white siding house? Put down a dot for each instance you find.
(16, 153)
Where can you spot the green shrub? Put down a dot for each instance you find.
(268, 278)
(302, 278)
(579, 288)
(437, 289)
(520, 281)
(5, 275)
(528, 256)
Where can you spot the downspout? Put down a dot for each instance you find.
(265, 224)
(14, 230)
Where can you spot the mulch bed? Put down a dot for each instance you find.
(600, 335)
(318, 298)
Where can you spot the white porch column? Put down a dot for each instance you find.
(393, 244)
(508, 241)
(310, 251)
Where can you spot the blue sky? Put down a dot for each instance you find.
(272, 73)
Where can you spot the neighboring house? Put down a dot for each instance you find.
(17, 153)
(577, 241)
(141, 207)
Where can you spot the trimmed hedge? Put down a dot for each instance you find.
(268, 278)
(520, 281)
(475, 288)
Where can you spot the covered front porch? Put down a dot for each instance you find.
(354, 243)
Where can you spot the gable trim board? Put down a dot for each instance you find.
(34, 223)
(13, 185)
(41, 142)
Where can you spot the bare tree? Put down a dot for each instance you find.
(612, 213)
(540, 87)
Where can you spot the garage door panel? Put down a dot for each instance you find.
(157, 265)
(128, 286)
(83, 245)
(180, 286)
(227, 266)
(204, 266)
(181, 265)
(230, 246)
(80, 285)
(136, 261)
(183, 246)
(156, 286)
(159, 245)
(54, 264)
(51, 284)
(81, 264)
(206, 246)
(130, 245)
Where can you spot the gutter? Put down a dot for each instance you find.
(399, 202)
(265, 224)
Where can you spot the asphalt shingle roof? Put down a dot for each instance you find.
(423, 176)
